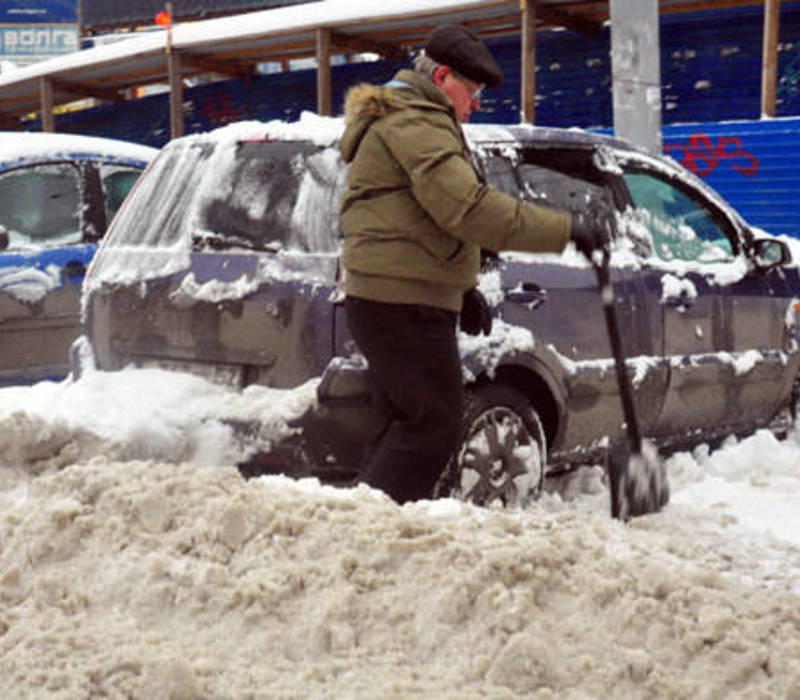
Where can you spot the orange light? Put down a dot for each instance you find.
(797, 306)
(163, 19)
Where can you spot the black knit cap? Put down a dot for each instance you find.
(465, 52)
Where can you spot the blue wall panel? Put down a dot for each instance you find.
(754, 165)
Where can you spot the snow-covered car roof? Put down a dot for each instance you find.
(326, 131)
(17, 148)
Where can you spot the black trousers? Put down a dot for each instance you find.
(417, 393)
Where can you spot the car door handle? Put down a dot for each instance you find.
(527, 293)
(679, 300)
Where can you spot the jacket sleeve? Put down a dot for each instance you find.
(446, 186)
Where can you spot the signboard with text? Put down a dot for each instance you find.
(34, 42)
(32, 30)
(27, 12)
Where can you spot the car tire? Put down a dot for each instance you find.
(501, 455)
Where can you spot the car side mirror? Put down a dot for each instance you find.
(4, 240)
(769, 253)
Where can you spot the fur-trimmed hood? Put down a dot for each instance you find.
(366, 103)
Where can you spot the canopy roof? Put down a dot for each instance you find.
(232, 46)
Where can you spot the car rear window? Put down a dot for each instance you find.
(254, 195)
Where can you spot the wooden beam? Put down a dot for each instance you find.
(769, 57)
(273, 52)
(357, 44)
(46, 99)
(324, 90)
(528, 62)
(87, 90)
(176, 121)
(8, 122)
(232, 68)
(569, 20)
(703, 5)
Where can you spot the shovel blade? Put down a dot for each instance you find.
(637, 480)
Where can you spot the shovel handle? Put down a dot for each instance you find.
(612, 324)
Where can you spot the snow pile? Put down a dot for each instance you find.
(144, 579)
(141, 414)
(136, 572)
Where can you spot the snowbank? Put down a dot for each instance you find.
(129, 569)
(144, 579)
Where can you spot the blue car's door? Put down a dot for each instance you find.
(51, 215)
(41, 212)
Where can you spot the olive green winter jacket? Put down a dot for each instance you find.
(415, 213)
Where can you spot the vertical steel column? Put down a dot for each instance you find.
(769, 58)
(528, 58)
(636, 72)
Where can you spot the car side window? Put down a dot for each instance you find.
(681, 227)
(40, 205)
(117, 182)
(549, 187)
(500, 173)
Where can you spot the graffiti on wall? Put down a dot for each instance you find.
(703, 155)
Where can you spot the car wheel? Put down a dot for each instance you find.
(502, 452)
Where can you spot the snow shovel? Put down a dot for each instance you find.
(637, 475)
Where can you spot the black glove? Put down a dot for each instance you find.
(476, 316)
(591, 229)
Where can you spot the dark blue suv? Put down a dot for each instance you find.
(57, 194)
(225, 262)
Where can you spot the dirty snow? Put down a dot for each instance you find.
(136, 562)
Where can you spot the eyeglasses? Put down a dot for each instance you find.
(475, 95)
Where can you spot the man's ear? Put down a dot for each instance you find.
(440, 74)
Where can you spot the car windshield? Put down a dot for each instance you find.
(39, 205)
(681, 229)
(253, 194)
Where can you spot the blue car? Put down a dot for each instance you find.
(58, 193)
(225, 262)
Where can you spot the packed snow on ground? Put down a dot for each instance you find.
(136, 562)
